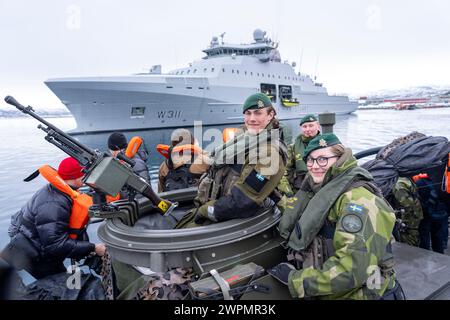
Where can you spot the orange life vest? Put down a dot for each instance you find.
(164, 149)
(229, 133)
(79, 216)
(133, 146)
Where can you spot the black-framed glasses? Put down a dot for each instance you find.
(321, 161)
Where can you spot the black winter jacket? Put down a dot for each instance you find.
(45, 222)
(140, 166)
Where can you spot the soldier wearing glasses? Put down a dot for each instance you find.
(338, 228)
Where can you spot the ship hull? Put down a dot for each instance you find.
(103, 105)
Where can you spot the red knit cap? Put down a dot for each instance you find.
(70, 169)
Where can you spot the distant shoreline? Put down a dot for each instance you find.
(393, 108)
(18, 114)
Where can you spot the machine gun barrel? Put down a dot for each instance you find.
(104, 174)
(85, 155)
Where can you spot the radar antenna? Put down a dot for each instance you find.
(221, 36)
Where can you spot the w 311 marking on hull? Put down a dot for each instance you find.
(169, 114)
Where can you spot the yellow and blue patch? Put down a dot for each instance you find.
(256, 181)
(355, 209)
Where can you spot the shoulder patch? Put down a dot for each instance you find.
(256, 181)
(354, 208)
(352, 223)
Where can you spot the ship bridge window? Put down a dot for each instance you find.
(137, 112)
(223, 69)
(212, 69)
(270, 90)
(204, 69)
(195, 70)
(285, 92)
(237, 71)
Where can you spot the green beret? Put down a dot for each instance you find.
(308, 118)
(256, 101)
(321, 141)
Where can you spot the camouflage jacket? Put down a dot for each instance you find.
(363, 225)
(407, 204)
(295, 167)
(239, 190)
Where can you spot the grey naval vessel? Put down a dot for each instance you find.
(210, 90)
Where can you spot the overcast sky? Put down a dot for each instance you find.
(353, 46)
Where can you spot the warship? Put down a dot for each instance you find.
(210, 90)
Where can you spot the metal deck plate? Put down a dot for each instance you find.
(423, 274)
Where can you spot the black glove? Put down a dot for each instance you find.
(95, 263)
(281, 272)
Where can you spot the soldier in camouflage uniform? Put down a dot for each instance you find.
(296, 167)
(338, 228)
(237, 185)
(406, 202)
(245, 171)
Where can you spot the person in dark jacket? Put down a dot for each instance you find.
(42, 240)
(433, 228)
(117, 142)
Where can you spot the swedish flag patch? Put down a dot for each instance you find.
(256, 181)
(355, 209)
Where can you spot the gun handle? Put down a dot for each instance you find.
(162, 205)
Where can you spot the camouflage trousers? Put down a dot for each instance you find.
(170, 285)
(410, 236)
